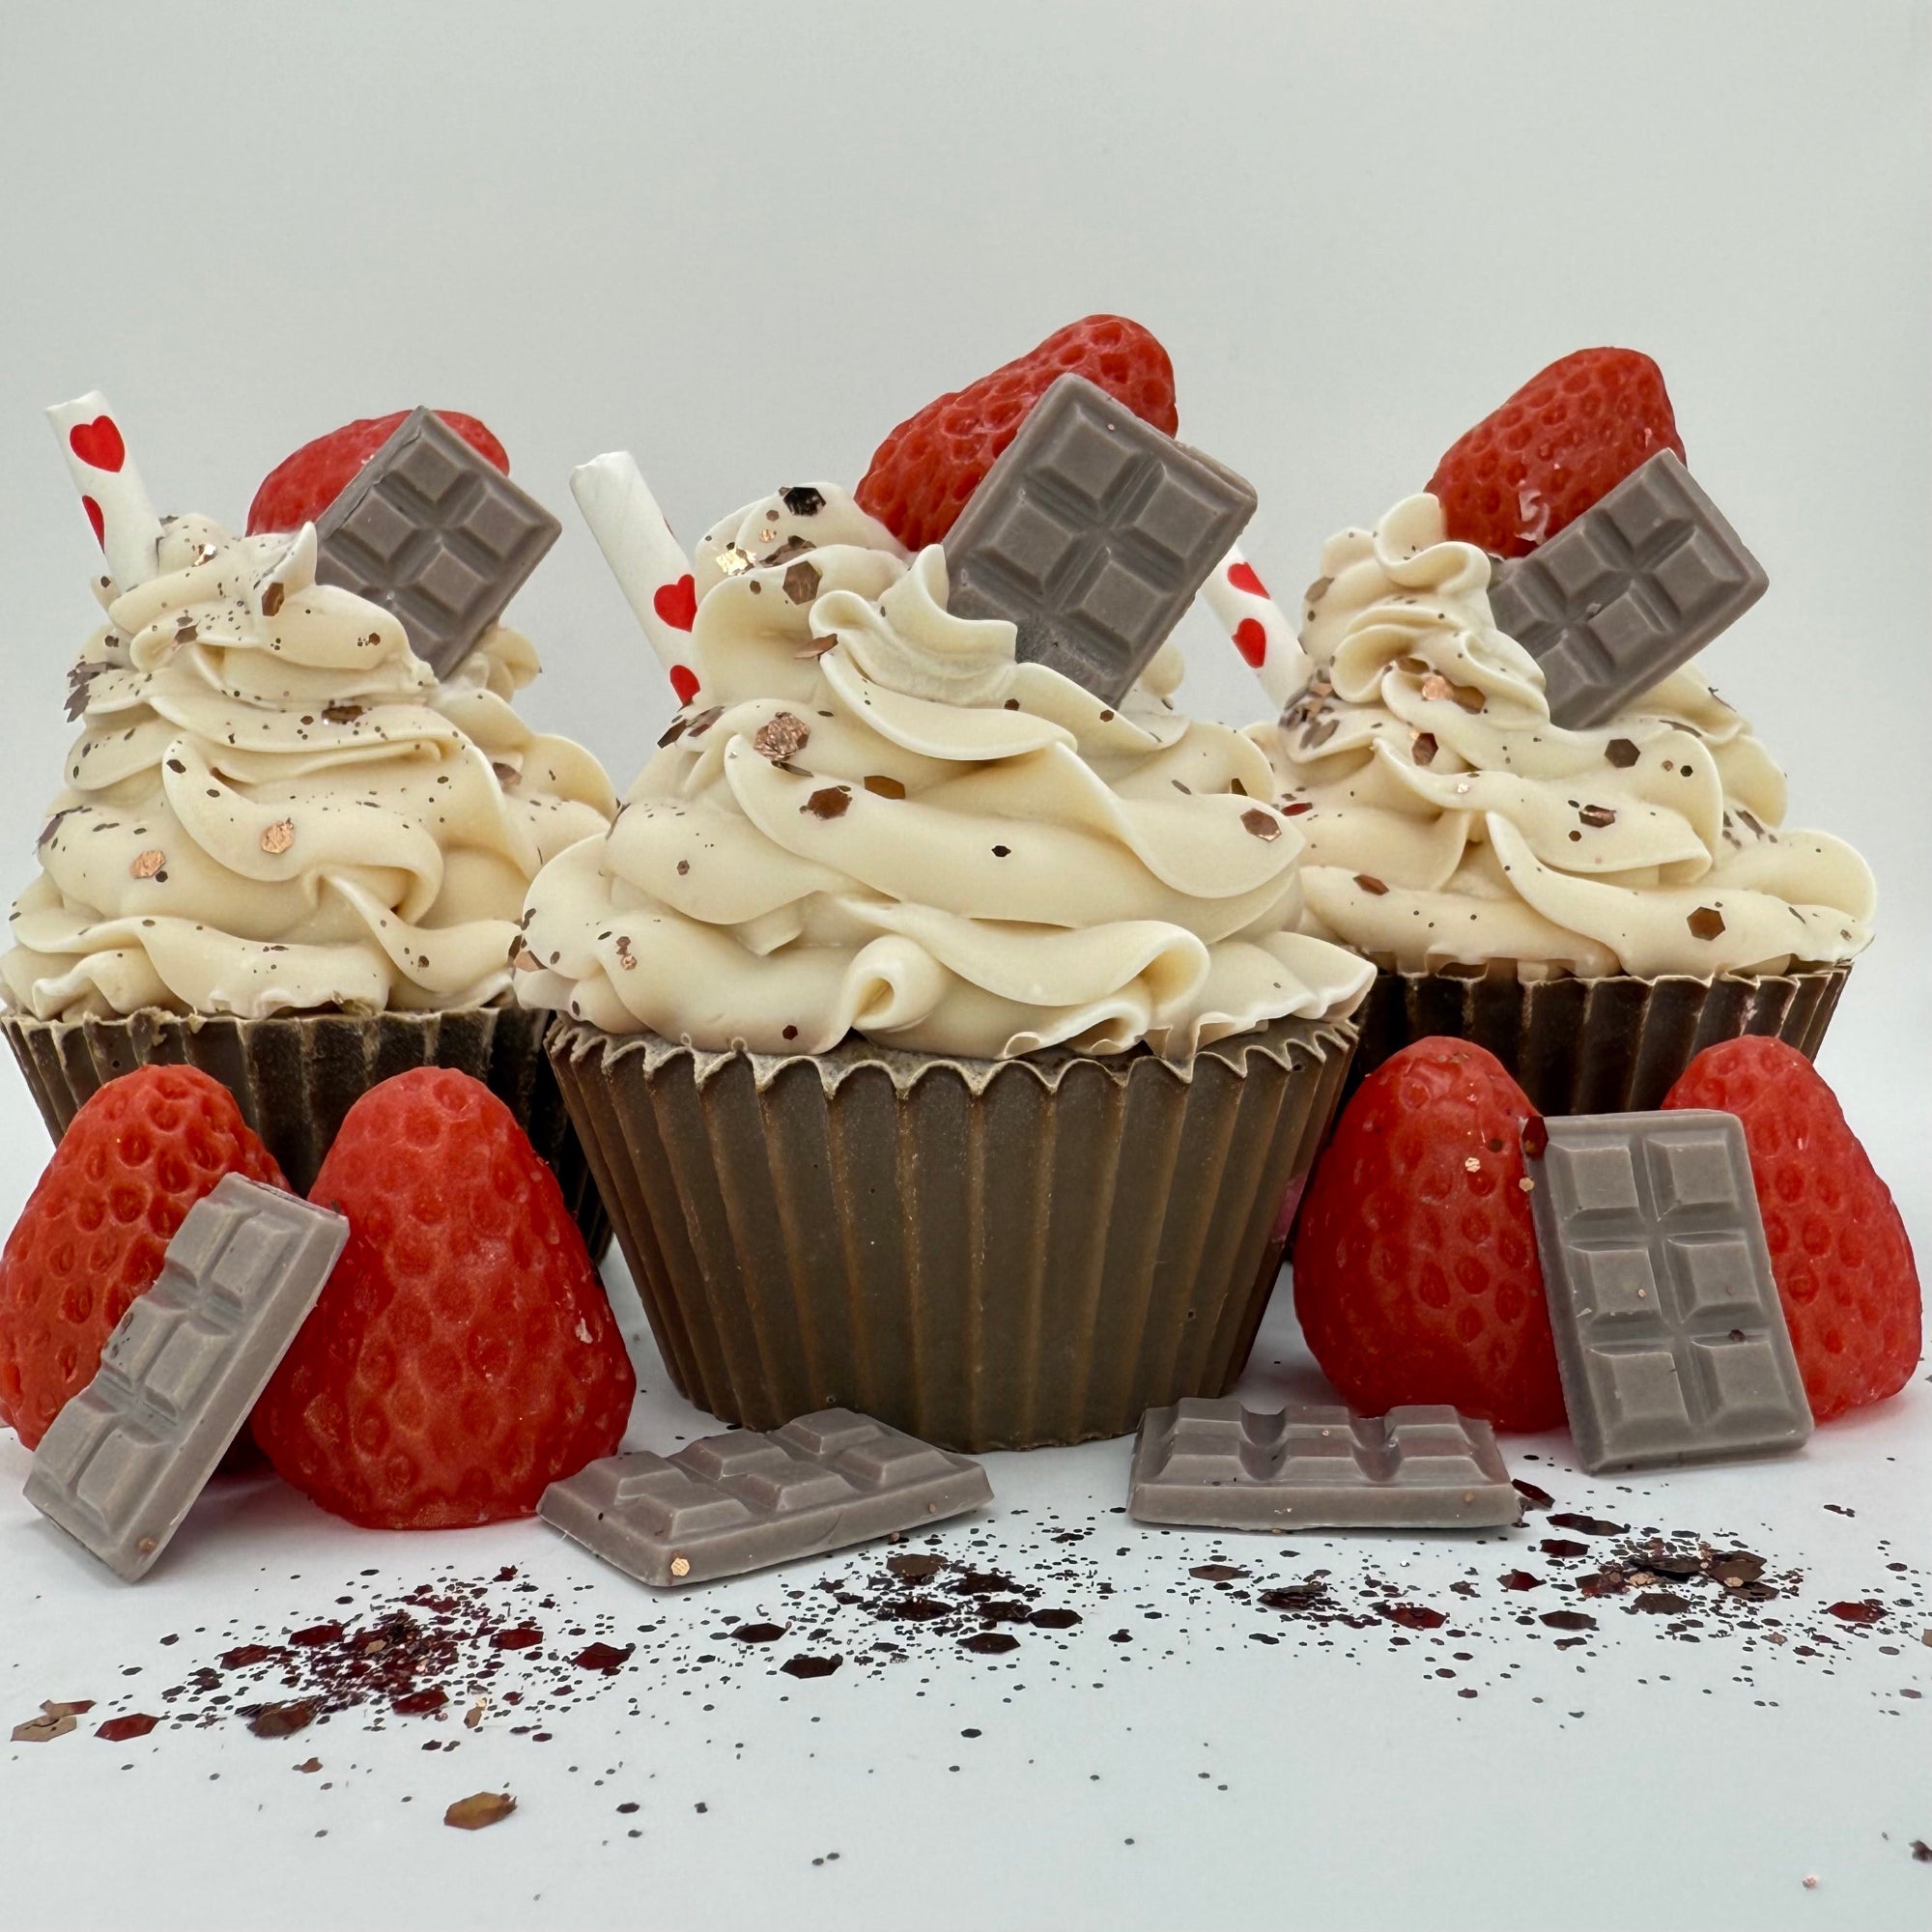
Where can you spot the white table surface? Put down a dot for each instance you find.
(1192, 1774)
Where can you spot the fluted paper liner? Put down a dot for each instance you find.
(1612, 1045)
(296, 1077)
(988, 1254)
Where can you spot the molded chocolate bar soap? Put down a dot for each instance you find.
(1670, 1338)
(123, 1462)
(1639, 584)
(436, 533)
(1092, 534)
(742, 1500)
(1317, 1466)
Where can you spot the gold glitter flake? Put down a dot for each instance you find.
(733, 561)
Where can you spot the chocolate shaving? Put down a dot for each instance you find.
(478, 1809)
(1706, 923)
(781, 737)
(828, 802)
(1622, 753)
(1264, 825)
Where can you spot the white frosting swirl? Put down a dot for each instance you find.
(1449, 822)
(882, 822)
(274, 807)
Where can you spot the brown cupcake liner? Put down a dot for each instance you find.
(990, 1254)
(1594, 1046)
(296, 1077)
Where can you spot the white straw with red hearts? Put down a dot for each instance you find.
(111, 490)
(651, 570)
(1258, 626)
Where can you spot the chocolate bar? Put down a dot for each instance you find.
(1090, 535)
(1614, 602)
(126, 1458)
(742, 1500)
(1317, 1465)
(1670, 1338)
(436, 533)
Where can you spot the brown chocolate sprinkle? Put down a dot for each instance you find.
(801, 582)
(1622, 753)
(79, 676)
(1598, 815)
(479, 1809)
(1371, 885)
(881, 786)
(148, 864)
(281, 1721)
(1706, 923)
(1264, 825)
(781, 737)
(122, 1730)
(828, 802)
(272, 598)
(1425, 748)
(277, 838)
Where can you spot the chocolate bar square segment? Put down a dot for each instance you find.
(436, 533)
(123, 1462)
(1092, 534)
(1671, 1337)
(1217, 1466)
(1617, 600)
(744, 1500)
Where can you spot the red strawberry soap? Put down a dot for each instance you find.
(924, 472)
(464, 1355)
(302, 486)
(1416, 1276)
(138, 1156)
(1564, 440)
(1840, 1252)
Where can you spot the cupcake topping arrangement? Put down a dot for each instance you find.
(274, 805)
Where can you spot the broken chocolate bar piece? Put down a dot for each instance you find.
(1670, 1338)
(123, 1462)
(1617, 600)
(1317, 1466)
(436, 533)
(1090, 535)
(742, 1500)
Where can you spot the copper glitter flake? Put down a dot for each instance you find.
(1370, 884)
(1425, 748)
(1263, 824)
(479, 1809)
(147, 863)
(828, 802)
(1621, 752)
(802, 500)
(800, 582)
(277, 838)
(1599, 816)
(1706, 923)
(881, 786)
(272, 598)
(781, 737)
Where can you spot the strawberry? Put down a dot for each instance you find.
(924, 472)
(1838, 1247)
(1416, 1275)
(1566, 438)
(299, 488)
(464, 1355)
(140, 1153)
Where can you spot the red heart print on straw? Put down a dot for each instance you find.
(111, 490)
(651, 570)
(1258, 626)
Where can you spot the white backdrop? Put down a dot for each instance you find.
(745, 242)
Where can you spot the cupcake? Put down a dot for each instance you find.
(1592, 905)
(939, 1032)
(283, 851)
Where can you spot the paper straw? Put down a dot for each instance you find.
(111, 490)
(651, 570)
(1258, 626)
